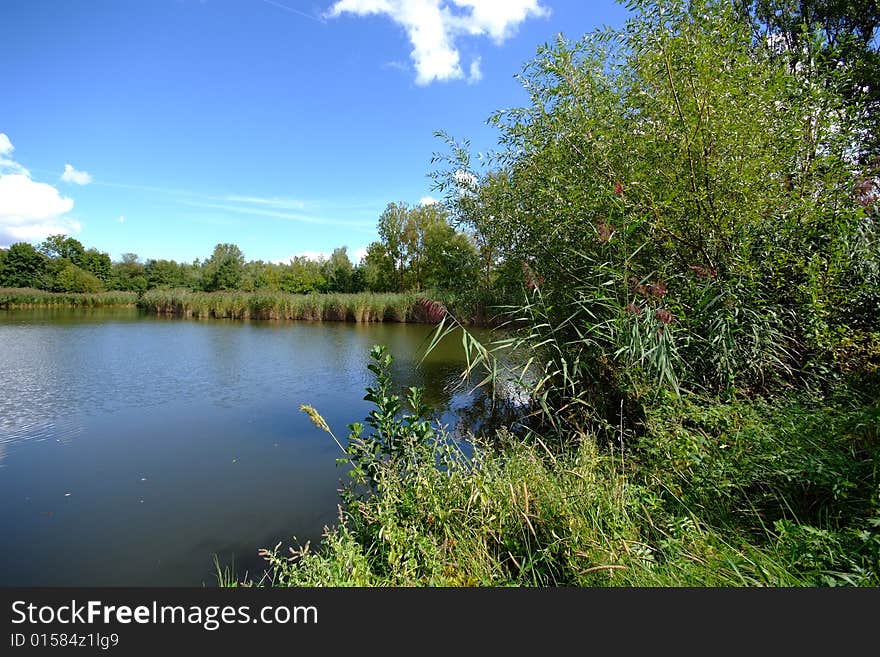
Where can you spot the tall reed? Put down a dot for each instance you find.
(30, 298)
(362, 307)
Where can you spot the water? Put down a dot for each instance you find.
(134, 448)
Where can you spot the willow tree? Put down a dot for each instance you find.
(681, 205)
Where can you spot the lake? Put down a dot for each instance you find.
(135, 448)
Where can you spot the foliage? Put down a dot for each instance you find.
(29, 297)
(363, 307)
(419, 249)
(677, 222)
(718, 494)
(225, 268)
(22, 266)
(73, 279)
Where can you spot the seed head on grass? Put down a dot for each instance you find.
(319, 422)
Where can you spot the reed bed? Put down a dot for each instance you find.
(31, 298)
(361, 307)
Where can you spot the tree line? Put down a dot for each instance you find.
(418, 250)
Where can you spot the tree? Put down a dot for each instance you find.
(74, 279)
(225, 268)
(675, 218)
(163, 274)
(97, 264)
(23, 266)
(419, 249)
(833, 42)
(62, 246)
(379, 269)
(338, 270)
(128, 274)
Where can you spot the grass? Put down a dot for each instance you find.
(362, 307)
(30, 298)
(782, 492)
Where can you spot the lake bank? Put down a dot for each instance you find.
(362, 307)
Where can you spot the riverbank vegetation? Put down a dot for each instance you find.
(363, 307)
(31, 298)
(688, 208)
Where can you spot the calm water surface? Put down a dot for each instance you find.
(134, 448)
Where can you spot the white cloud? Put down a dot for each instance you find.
(427, 200)
(475, 74)
(72, 175)
(359, 254)
(8, 165)
(6, 146)
(121, 218)
(433, 26)
(29, 210)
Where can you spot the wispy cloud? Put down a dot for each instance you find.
(121, 219)
(279, 214)
(475, 74)
(435, 26)
(72, 175)
(275, 202)
(294, 11)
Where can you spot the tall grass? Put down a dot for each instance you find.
(29, 298)
(715, 493)
(363, 307)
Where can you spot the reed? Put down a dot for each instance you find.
(32, 298)
(361, 307)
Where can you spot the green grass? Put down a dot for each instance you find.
(714, 493)
(30, 298)
(362, 307)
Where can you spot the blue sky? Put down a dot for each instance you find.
(284, 126)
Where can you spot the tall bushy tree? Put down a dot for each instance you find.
(23, 266)
(680, 204)
(224, 270)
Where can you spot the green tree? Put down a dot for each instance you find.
(74, 279)
(97, 264)
(379, 270)
(225, 268)
(163, 274)
(23, 266)
(129, 274)
(675, 219)
(62, 246)
(338, 271)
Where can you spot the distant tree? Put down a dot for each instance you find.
(129, 274)
(23, 266)
(62, 246)
(74, 279)
(303, 276)
(225, 268)
(338, 271)
(163, 274)
(379, 269)
(98, 264)
(419, 249)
